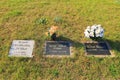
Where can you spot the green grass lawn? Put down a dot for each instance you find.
(20, 19)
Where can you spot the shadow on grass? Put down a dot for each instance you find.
(74, 43)
(115, 45)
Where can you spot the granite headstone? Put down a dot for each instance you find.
(99, 48)
(57, 48)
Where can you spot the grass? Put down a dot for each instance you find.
(58, 19)
(42, 21)
(18, 21)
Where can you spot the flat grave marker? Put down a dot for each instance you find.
(22, 48)
(60, 48)
(97, 48)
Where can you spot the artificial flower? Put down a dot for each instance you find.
(94, 31)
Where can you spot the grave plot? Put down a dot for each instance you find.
(22, 48)
(57, 48)
(97, 49)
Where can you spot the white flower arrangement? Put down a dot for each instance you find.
(94, 31)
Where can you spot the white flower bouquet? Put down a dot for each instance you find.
(94, 32)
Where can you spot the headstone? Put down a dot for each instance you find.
(22, 48)
(97, 48)
(57, 48)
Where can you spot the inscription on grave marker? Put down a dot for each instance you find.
(99, 48)
(57, 48)
(21, 48)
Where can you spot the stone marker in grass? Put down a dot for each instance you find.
(97, 49)
(57, 48)
(22, 48)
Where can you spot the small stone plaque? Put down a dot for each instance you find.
(97, 48)
(22, 48)
(57, 48)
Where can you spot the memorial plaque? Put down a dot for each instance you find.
(98, 48)
(57, 48)
(22, 48)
